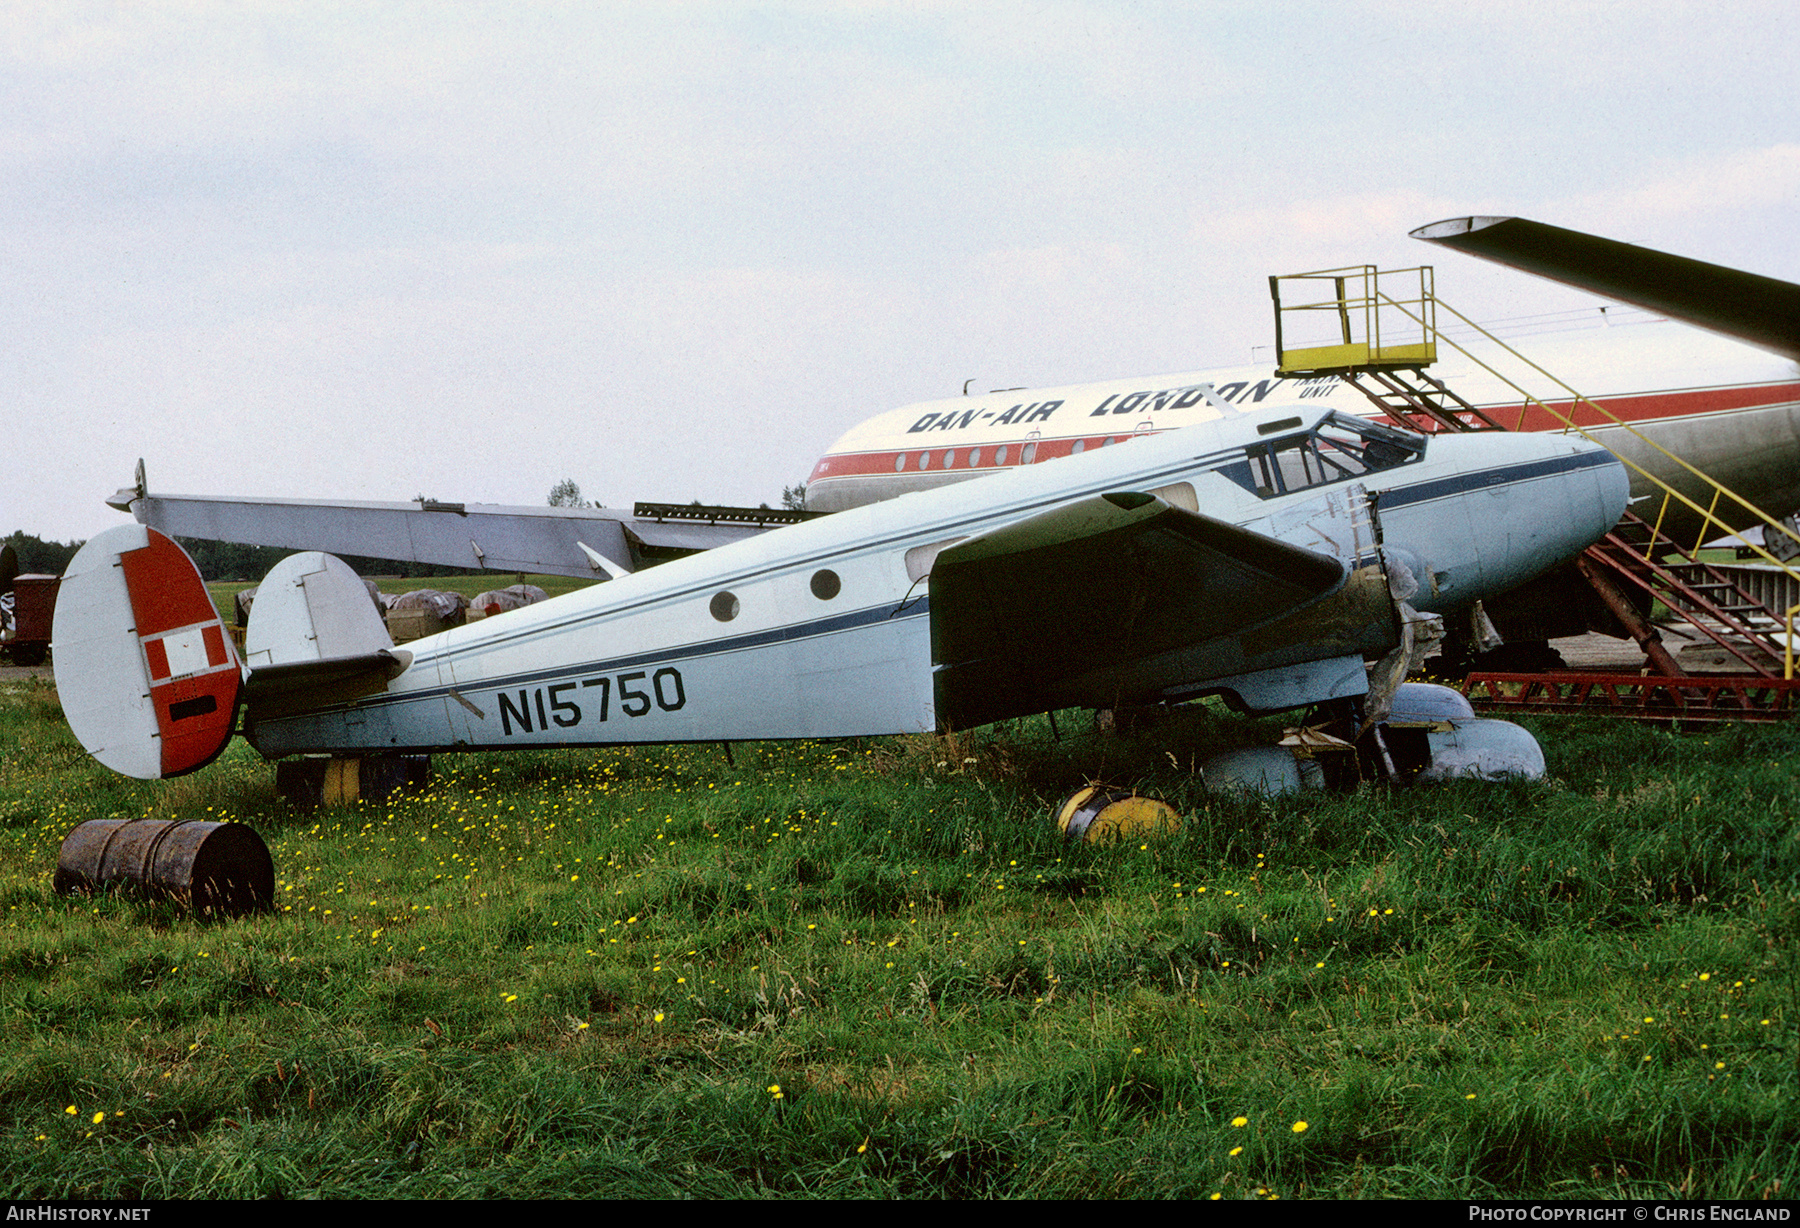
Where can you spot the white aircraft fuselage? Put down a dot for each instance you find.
(827, 628)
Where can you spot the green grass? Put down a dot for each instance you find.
(582, 973)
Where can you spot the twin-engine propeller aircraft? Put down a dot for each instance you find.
(1263, 556)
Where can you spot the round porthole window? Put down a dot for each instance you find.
(724, 607)
(1078, 448)
(1029, 454)
(900, 463)
(826, 585)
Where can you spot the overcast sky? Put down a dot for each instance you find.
(671, 251)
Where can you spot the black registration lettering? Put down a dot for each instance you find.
(567, 714)
(667, 692)
(633, 703)
(509, 714)
(672, 677)
(605, 685)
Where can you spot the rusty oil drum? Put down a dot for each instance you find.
(209, 867)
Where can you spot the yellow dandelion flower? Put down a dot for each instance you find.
(1235, 1151)
(1299, 1127)
(70, 1110)
(1238, 1123)
(98, 1118)
(775, 1090)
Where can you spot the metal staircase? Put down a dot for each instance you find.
(1695, 591)
(1380, 345)
(1408, 397)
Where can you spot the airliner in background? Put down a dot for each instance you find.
(1731, 410)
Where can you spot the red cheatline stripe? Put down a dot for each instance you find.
(1646, 408)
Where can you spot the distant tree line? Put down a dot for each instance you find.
(39, 557)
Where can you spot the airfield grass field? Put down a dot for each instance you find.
(871, 969)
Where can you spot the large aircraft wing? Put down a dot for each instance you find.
(586, 542)
(1760, 310)
(1106, 579)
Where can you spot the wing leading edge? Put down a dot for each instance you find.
(1760, 310)
(529, 540)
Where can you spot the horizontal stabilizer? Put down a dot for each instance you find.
(1760, 310)
(277, 681)
(146, 672)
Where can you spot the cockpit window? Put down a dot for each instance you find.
(1339, 449)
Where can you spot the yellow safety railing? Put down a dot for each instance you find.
(1353, 310)
(1792, 610)
(1708, 516)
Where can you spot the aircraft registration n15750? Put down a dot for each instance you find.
(1263, 556)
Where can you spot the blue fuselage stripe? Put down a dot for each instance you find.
(1487, 479)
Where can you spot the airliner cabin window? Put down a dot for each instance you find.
(1339, 449)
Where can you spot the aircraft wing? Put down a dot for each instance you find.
(1760, 310)
(585, 542)
(1102, 581)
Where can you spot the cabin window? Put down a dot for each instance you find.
(950, 460)
(1339, 449)
(826, 585)
(1181, 495)
(900, 463)
(1079, 446)
(920, 558)
(974, 458)
(724, 607)
(1000, 457)
(1029, 454)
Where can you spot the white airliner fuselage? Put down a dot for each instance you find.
(1730, 410)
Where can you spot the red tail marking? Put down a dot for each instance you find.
(194, 713)
(160, 599)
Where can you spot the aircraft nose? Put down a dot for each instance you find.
(1559, 496)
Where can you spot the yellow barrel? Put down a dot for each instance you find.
(1100, 815)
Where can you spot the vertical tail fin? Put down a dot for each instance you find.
(145, 668)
